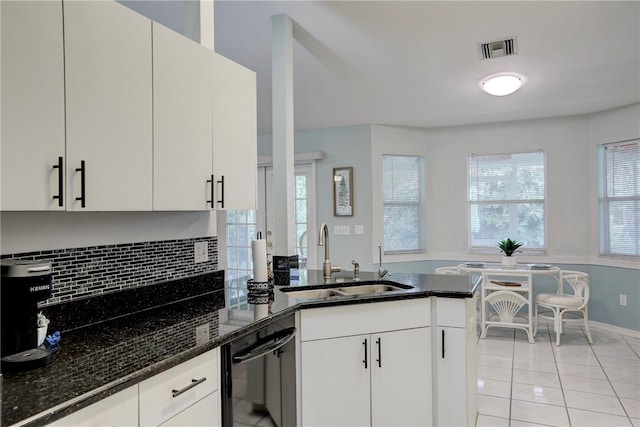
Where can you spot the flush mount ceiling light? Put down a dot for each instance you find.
(502, 84)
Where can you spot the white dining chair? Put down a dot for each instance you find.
(447, 270)
(505, 306)
(561, 303)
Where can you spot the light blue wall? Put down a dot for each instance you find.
(347, 146)
(606, 286)
(570, 144)
(607, 283)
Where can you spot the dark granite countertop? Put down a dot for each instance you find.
(112, 343)
(423, 285)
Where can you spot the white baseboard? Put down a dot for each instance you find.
(614, 329)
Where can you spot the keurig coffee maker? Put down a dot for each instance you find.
(23, 285)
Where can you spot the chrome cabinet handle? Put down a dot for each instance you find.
(176, 393)
(60, 195)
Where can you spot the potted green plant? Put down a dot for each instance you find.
(508, 248)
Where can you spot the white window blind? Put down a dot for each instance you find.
(620, 201)
(507, 200)
(403, 198)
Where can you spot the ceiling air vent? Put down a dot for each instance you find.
(498, 48)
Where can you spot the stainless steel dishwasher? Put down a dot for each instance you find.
(259, 376)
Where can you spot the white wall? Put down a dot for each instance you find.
(564, 141)
(569, 144)
(620, 124)
(35, 231)
(346, 146)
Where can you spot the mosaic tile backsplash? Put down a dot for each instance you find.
(90, 271)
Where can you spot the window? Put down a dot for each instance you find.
(241, 228)
(506, 200)
(403, 198)
(243, 225)
(301, 222)
(620, 199)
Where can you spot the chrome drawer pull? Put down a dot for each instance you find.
(176, 393)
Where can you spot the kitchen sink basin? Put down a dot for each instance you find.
(369, 289)
(342, 290)
(310, 293)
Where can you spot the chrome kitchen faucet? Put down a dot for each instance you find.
(323, 240)
(381, 271)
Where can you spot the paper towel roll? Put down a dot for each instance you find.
(260, 311)
(259, 255)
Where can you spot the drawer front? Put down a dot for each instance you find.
(455, 312)
(157, 403)
(346, 320)
(120, 409)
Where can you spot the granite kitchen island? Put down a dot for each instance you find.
(116, 348)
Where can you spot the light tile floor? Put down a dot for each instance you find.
(575, 384)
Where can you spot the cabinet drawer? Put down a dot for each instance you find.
(120, 409)
(455, 312)
(157, 403)
(340, 321)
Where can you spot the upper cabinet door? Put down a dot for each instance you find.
(109, 107)
(234, 135)
(182, 108)
(32, 138)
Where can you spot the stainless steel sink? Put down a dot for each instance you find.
(369, 289)
(343, 290)
(311, 293)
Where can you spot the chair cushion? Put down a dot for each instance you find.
(559, 300)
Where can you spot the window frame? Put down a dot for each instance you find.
(604, 202)
(421, 204)
(484, 249)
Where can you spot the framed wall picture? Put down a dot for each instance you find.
(343, 191)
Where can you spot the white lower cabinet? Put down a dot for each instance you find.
(120, 409)
(183, 394)
(202, 413)
(335, 384)
(456, 362)
(378, 378)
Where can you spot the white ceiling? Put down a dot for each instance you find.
(418, 63)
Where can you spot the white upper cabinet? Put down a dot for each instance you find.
(32, 138)
(108, 74)
(104, 111)
(234, 135)
(182, 109)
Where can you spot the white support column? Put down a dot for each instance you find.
(198, 22)
(283, 156)
(206, 24)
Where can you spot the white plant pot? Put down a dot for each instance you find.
(509, 261)
(42, 333)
